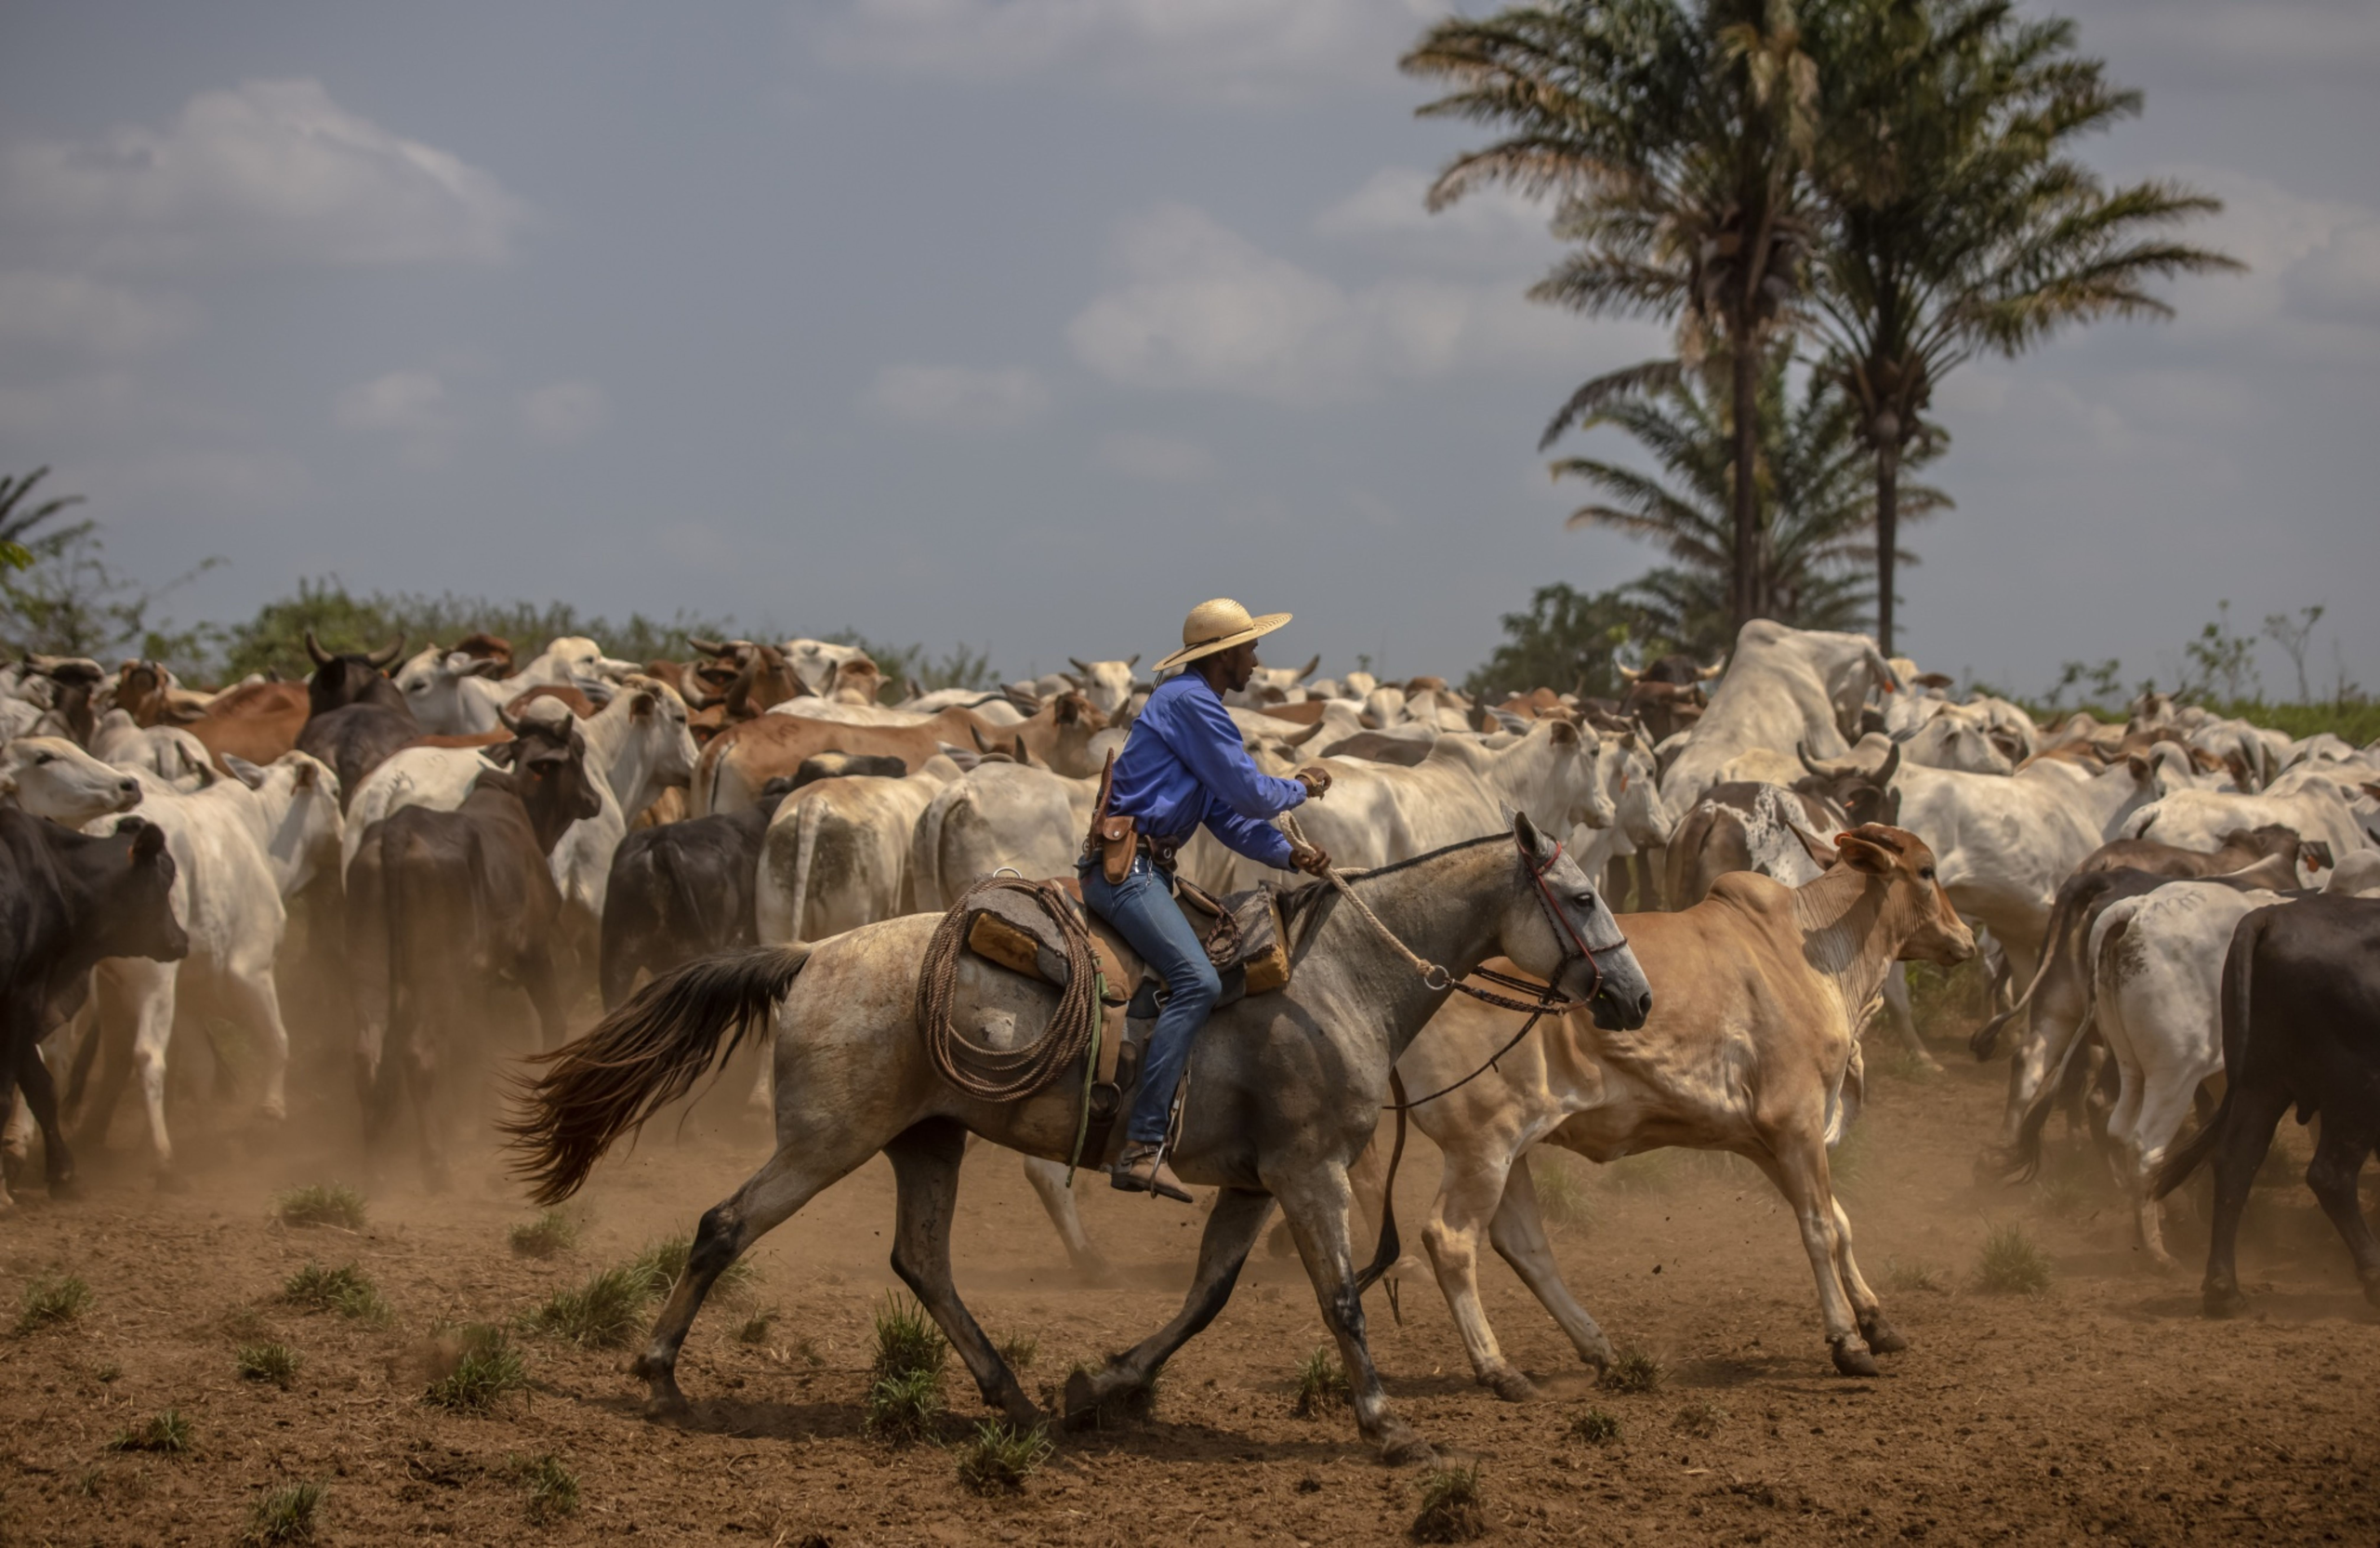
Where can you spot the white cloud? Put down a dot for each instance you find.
(1158, 458)
(73, 313)
(2313, 265)
(957, 397)
(1202, 307)
(1492, 227)
(408, 406)
(271, 172)
(1233, 50)
(563, 411)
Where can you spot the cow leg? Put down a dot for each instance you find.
(156, 987)
(16, 1143)
(2239, 1151)
(1317, 1201)
(1649, 885)
(1519, 1233)
(1882, 1336)
(1902, 1019)
(2337, 1164)
(1796, 1164)
(2144, 1126)
(250, 999)
(1232, 1228)
(1469, 1196)
(37, 1098)
(785, 1182)
(542, 982)
(1049, 1180)
(925, 1168)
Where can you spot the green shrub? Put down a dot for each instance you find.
(344, 1289)
(276, 1363)
(321, 1204)
(604, 1312)
(908, 1343)
(1453, 1506)
(1322, 1383)
(1634, 1371)
(2012, 1263)
(553, 1488)
(168, 1433)
(286, 1516)
(1597, 1427)
(997, 1460)
(904, 1409)
(52, 1300)
(548, 1236)
(488, 1369)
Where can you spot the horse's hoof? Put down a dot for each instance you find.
(1078, 1405)
(172, 1182)
(1882, 1336)
(1852, 1358)
(1509, 1384)
(1407, 1450)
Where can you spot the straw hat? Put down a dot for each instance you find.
(1218, 626)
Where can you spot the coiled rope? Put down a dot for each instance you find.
(1009, 1074)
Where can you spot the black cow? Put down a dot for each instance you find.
(684, 890)
(66, 900)
(2301, 1027)
(355, 716)
(445, 908)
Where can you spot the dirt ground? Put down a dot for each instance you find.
(2105, 1406)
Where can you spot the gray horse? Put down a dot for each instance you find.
(1285, 1092)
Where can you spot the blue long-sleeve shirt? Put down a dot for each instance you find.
(1184, 764)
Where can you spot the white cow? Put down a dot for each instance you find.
(238, 855)
(455, 695)
(2311, 800)
(998, 815)
(1108, 685)
(835, 856)
(49, 776)
(814, 662)
(167, 752)
(1642, 818)
(2156, 998)
(1958, 737)
(1785, 688)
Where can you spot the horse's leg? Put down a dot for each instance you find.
(925, 1166)
(785, 1182)
(1477, 1165)
(1049, 1180)
(1232, 1228)
(1519, 1233)
(1796, 1164)
(1315, 1200)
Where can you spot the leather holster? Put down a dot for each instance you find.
(1118, 843)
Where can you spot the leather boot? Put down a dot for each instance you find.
(1142, 1169)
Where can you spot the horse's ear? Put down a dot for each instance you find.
(1526, 834)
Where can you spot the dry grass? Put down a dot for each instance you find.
(1453, 1506)
(664, 1262)
(1914, 1277)
(1322, 1383)
(605, 1311)
(2012, 1263)
(1561, 1199)
(52, 1301)
(549, 1235)
(344, 1289)
(1701, 1419)
(168, 1432)
(286, 1516)
(276, 1363)
(1597, 1427)
(1020, 1350)
(321, 1204)
(488, 1369)
(553, 1488)
(1634, 1371)
(997, 1460)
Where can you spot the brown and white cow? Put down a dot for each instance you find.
(1752, 1048)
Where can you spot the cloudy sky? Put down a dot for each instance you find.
(1030, 323)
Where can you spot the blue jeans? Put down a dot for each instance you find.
(1142, 910)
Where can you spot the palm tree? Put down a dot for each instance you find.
(1954, 222)
(16, 526)
(1817, 516)
(1674, 140)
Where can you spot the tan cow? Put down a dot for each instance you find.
(1758, 995)
(744, 756)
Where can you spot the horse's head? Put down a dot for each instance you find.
(1556, 928)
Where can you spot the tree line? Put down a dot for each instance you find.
(1868, 193)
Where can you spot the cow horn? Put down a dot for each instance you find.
(382, 659)
(1715, 667)
(709, 647)
(1802, 751)
(1630, 674)
(1134, 661)
(1307, 671)
(313, 648)
(1891, 765)
(1077, 660)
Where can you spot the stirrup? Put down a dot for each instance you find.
(1127, 1176)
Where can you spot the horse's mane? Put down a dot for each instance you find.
(1297, 902)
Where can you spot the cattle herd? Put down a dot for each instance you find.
(2172, 908)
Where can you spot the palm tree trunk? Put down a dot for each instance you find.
(1747, 587)
(1888, 535)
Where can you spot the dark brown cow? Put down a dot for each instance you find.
(356, 716)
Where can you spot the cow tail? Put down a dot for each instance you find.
(2239, 968)
(637, 1060)
(925, 850)
(1986, 1040)
(805, 853)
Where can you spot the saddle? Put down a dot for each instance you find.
(1245, 943)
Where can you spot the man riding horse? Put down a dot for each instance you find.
(1182, 765)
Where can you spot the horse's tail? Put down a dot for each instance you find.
(2238, 973)
(639, 1059)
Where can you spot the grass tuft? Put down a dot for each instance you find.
(1453, 1506)
(755, 1329)
(1916, 1275)
(53, 1300)
(664, 1262)
(1701, 1419)
(344, 1289)
(489, 1369)
(1020, 1350)
(1634, 1371)
(286, 1516)
(904, 1409)
(1597, 1427)
(908, 1343)
(553, 1488)
(605, 1311)
(1561, 1199)
(997, 1458)
(1322, 1383)
(1653, 1171)
(321, 1204)
(276, 1363)
(168, 1433)
(2012, 1263)
(549, 1235)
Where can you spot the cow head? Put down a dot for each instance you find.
(548, 760)
(49, 776)
(132, 872)
(1916, 910)
(1108, 685)
(657, 719)
(857, 681)
(348, 678)
(1863, 790)
(1634, 786)
(1556, 927)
